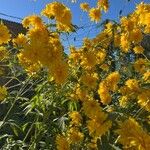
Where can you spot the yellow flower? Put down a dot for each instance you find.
(124, 90)
(141, 8)
(92, 146)
(147, 30)
(20, 41)
(123, 101)
(81, 94)
(62, 143)
(89, 80)
(74, 55)
(138, 49)
(67, 15)
(60, 72)
(107, 85)
(4, 34)
(104, 94)
(95, 14)
(3, 93)
(125, 43)
(147, 20)
(103, 4)
(3, 53)
(132, 136)
(53, 9)
(31, 67)
(101, 54)
(75, 135)
(91, 108)
(117, 40)
(33, 20)
(98, 127)
(132, 84)
(127, 23)
(84, 6)
(63, 21)
(112, 80)
(39, 38)
(88, 59)
(144, 99)
(75, 118)
(146, 77)
(143, 12)
(136, 36)
(104, 67)
(140, 65)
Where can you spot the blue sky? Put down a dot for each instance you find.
(22, 8)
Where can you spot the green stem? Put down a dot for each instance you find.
(8, 112)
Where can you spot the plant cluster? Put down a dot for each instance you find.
(95, 97)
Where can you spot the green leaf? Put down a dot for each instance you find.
(15, 128)
(1, 123)
(115, 147)
(146, 85)
(4, 136)
(25, 126)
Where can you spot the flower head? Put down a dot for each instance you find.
(4, 34)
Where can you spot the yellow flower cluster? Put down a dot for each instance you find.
(143, 12)
(95, 12)
(107, 85)
(132, 136)
(39, 50)
(130, 90)
(98, 124)
(133, 91)
(61, 13)
(132, 29)
(73, 134)
(88, 56)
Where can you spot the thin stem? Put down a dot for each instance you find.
(8, 112)
(28, 131)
